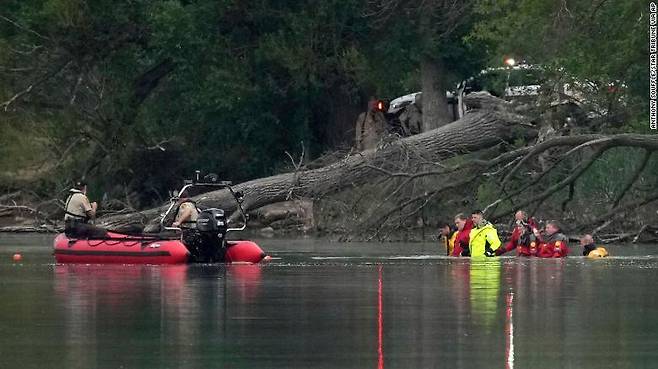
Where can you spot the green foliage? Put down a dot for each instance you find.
(597, 42)
(247, 82)
(487, 193)
(414, 30)
(13, 155)
(605, 180)
(151, 90)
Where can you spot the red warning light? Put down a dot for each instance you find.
(378, 105)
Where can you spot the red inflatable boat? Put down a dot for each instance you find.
(126, 249)
(212, 226)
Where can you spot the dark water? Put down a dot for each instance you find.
(328, 305)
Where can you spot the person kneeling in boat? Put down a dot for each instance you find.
(185, 218)
(521, 236)
(553, 243)
(590, 249)
(186, 214)
(484, 239)
(448, 235)
(79, 213)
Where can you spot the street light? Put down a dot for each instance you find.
(510, 62)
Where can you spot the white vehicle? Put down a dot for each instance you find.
(508, 82)
(401, 102)
(517, 82)
(525, 81)
(397, 104)
(512, 82)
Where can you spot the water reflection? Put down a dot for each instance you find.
(247, 281)
(484, 291)
(90, 294)
(457, 313)
(509, 330)
(175, 310)
(380, 319)
(361, 313)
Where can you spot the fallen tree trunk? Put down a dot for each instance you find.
(490, 122)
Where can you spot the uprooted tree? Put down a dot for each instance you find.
(493, 158)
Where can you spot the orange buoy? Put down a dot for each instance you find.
(17, 257)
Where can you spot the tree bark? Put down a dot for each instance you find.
(478, 129)
(434, 100)
(150, 79)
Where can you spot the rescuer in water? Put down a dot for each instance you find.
(484, 239)
(590, 249)
(522, 235)
(587, 242)
(79, 213)
(448, 235)
(462, 238)
(553, 243)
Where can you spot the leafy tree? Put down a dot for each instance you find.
(598, 43)
(130, 93)
(432, 35)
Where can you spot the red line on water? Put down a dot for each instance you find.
(509, 331)
(380, 323)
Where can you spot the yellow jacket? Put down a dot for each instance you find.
(480, 238)
(449, 242)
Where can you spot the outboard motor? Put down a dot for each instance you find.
(207, 241)
(212, 227)
(212, 221)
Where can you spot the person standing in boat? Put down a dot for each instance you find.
(79, 214)
(484, 239)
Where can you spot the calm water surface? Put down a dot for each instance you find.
(330, 305)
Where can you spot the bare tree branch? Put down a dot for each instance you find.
(633, 178)
(28, 89)
(555, 188)
(17, 25)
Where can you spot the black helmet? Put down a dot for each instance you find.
(80, 184)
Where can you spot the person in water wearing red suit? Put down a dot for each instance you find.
(464, 225)
(553, 243)
(530, 247)
(521, 236)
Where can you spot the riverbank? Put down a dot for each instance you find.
(345, 216)
(647, 235)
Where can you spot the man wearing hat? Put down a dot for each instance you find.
(78, 214)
